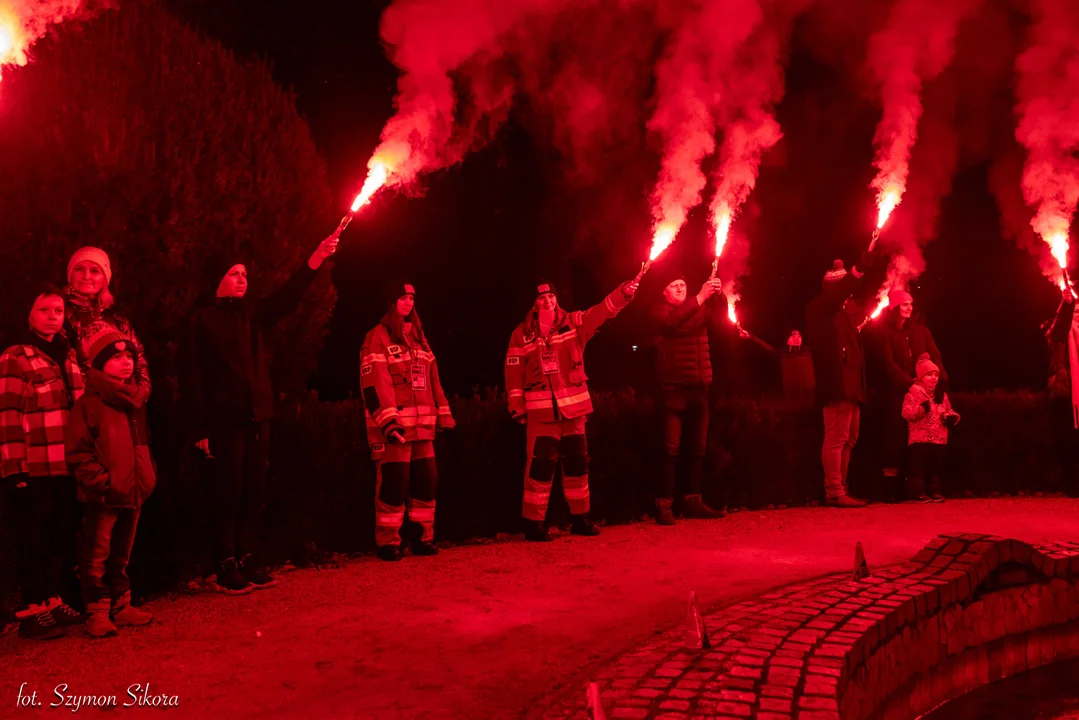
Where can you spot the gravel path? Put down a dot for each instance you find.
(479, 631)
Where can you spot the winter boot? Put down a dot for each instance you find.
(124, 613)
(581, 525)
(37, 623)
(845, 501)
(424, 548)
(64, 614)
(229, 579)
(694, 507)
(664, 516)
(389, 553)
(98, 623)
(536, 531)
(255, 574)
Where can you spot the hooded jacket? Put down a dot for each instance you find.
(683, 359)
(224, 366)
(401, 387)
(545, 377)
(107, 444)
(836, 346)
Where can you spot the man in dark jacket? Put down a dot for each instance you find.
(1062, 334)
(684, 371)
(832, 320)
(229, 402)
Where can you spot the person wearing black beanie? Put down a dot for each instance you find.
(227, 401)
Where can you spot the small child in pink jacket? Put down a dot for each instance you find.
(928, 422)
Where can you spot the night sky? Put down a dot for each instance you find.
(484, 230)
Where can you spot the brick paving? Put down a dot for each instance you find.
(838, 647)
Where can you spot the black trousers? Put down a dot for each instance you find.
(685, 436)
(925, 462)
(45, 517)
(240, 455)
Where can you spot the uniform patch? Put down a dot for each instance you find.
(365, 370)
(529, 338)
(378, 447)
(394, 349)
(513, 360)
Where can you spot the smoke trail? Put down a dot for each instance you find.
(917, 43)
(689, 79)
(24, 22)
(1047, 104)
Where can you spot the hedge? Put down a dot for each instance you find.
(762, 453)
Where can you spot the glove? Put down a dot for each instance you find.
(396, 434)
(866, 261)
(925, 406)
(951, 420)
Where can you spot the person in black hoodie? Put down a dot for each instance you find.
(684, 372)
(228, 399)
(832, 320)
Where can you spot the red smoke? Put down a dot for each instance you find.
(916, 44)
(689, 87)
(24, 22)
(1047, 105)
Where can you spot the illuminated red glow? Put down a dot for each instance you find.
(882, 305)
(731, 314)
(377, 174)
(723, 228)
(662, 240)
(887, 202)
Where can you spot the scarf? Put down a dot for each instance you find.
(1073, 365)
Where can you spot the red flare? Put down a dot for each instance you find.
(731, 314)
(376, 178)
(723, 228)
(663, 238)
(882, 305)
(887, 201)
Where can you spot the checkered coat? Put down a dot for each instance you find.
(34, 409)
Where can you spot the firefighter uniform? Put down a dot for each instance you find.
(402, 398)
(546, 384)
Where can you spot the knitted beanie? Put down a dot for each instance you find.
(102, 341)
(837, 273)
(898, 296)
(544, 286)
(397, 289)
(925, 366)
(94, 255)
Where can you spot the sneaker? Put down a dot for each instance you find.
(537, 532)
(389, 553)
(424, 548)
(695, 508)
(37, 623)
(230, 581)
(924, 499)
(65, 615)
(124, 613)
(845, 501)
(258, 577)
(98, 623)
(581, 525)
(664, 516)
(938, 498)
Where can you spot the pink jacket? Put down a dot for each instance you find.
(926, 427)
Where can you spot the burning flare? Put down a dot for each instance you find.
(731, 314)
(882, 305)
(723, 228)
(662, 240)
(1058, 246)
(23, 22)
(376, 178)
(887, 201)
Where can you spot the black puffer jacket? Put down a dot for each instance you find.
(682, 354)
(836, 346)
(225, 373)
(895, 347)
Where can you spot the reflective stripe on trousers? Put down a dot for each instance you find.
(551, 444)
(405, 475)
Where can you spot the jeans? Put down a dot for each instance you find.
(109, 534)
(685, 433)
(240, 454)
(44, 514)
(841, 421)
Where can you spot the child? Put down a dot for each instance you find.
(928, 417)
(107, 450)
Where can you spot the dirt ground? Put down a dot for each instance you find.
(479, 631)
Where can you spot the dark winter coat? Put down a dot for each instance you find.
(1060, 380)
(224, 368)
(836, 346)
(683, 358)
(895, 348)
(81, 313)
(107, 445)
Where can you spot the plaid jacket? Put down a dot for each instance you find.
(34, 408)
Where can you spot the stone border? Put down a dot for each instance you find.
(968, 609)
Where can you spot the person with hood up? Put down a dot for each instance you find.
(228, 401)
(405, 406)
(832, 320)
(896, 342)
(684, 372)
(1062, 335)
(108, 450)
(40, 380)
(547, 390)
(89, 300)
(928, 420)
